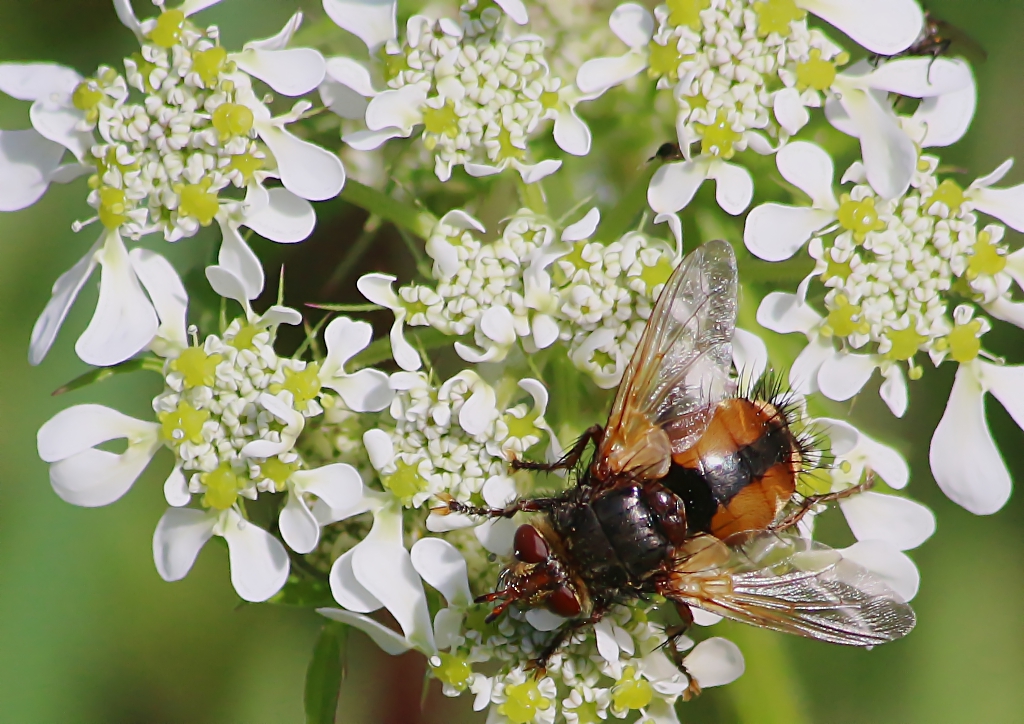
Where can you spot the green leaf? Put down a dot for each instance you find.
(369, 307)
(414, 219)
(149, 362)
(324, 675)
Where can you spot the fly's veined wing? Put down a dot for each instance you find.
(680, 369)
(789, 584)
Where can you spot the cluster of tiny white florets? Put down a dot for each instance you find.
(893, 267)
(584, 683)
(161, 163)
(726, 59)
(593, 297)
(455, 438)
(485, 91)
(217, 401)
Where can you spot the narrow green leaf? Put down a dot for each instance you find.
(324, 675)
(369, 307)
(153, 364)
(406, 216)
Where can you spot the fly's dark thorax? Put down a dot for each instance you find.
(740, 473)
(615, 542)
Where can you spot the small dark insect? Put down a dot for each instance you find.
(668, 151)
(689, 495)
(941, 38)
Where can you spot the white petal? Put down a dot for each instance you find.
(532, 173)
(259, 563)
(351, 74)
(675, 224)
(281, 39)
(704, 618)
(515, 10)
(306, 170)
(1002, 308)
(809, 168)
(890, 156)
(27, 163)
(784, 313)
(59, 123)
(437, 523)
(633, 24)
(964, 459)
(299, 528)
(749, 355)
(894, 391)
(499, 491)
(389, 641)
(168, 295)
(544, 330)
(65, 290)
(995, 176)
(544, 620)
(571, 134)
(277, 315)
(404, 353)
(947, 117)
(177, 540)
(347, 590)
(372, 21)
(228, 285)
(32, 81)
(715, 662)
(124, 321)
(93, 477)
(401, 108)
(240, 261)
(607, 647)
(790, 111)
(384, 567)
(338, 485)
(344, 338)
(885, 27)
(441, 565)
(371, 140)
(286, 219)
(893, 566)
(191, 7)
(843, 375)
(480, 170)
(803, 375)
(377, 289)
(1007, 205)
(499, 325)
(734, 187)
(901, 522)
(674, 184)
(775, 232)
(885, 461)
(363, 391)
(448, 627)
(379, 447)
(921, 77)
(292, 72)
(81, 427)
(584, 228)
(497, 535)
(176, 491)
(599, 74)
(1006, 382)
(479, 411)
(342, 100)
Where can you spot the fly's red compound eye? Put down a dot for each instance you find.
(530, 547)
(564, 602)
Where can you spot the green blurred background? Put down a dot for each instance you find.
(89, 632)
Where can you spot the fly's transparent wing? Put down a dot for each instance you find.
(789, 584)
(680, 369)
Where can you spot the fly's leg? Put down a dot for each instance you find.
(568, 460)
(540, 664)
(526, 505)
(675, 654)
(813, 500)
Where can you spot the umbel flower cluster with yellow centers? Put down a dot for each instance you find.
(479, 92)
(177, 141)
(534, 285)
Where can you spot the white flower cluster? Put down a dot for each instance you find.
(533, 285)
(169, 146)
(479, 92)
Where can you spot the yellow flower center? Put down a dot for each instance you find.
(198, 202)
(222, 486)
(986, 258)
(657, 274)
(405, 482)
(196, 367)
(663, 60)
(836, 269)
(719, 137)
(442, 121)
(304, 385)
(85, 97)
(393, 64)
(247, 164)
(859, 217)
(949, 193)
(185, 419)
(774, 16)
(279, 472)
(521, 426)
(167, 32)
(243, 339)
(586, 713)
(524, 701)
(112, 211)
(686, 12)
(631, 692)
(454, 670)
(815, 72)
(232, 119)
(905, 342)
(208, 64)
(844, 319)
(963, 342)
(507, 149)
(550, 99)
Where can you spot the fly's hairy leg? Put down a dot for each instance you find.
(562, 636)
(568, 460)
(526, 505)
(672, 635)
(809, 502)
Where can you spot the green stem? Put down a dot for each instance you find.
(769, 691)
(532, 196)
(418, 221)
